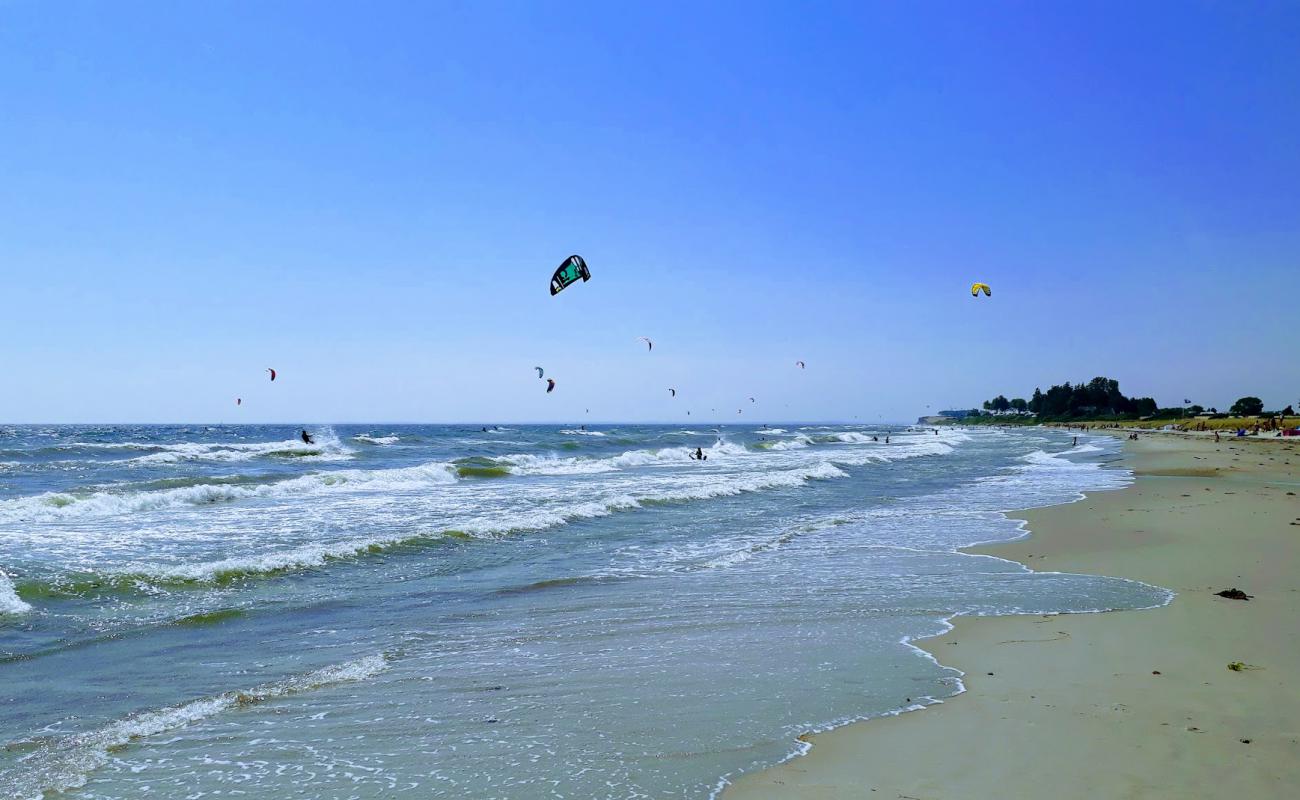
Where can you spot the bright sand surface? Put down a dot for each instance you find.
(1070, 706)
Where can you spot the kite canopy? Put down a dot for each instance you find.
(573, 269)
(550, 385)
(799, 364)
(648, 344)
(268, 369)
(976, 288)
(674, 391)
(239, 401)
(540, 372)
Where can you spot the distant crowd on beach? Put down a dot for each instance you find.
(1274, 425)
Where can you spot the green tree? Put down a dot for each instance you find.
(1019, 404)
(1246, 407)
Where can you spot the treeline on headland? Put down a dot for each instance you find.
(1099, 399)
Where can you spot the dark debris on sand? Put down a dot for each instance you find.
(1234, 594)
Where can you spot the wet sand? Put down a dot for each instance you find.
(1132, 704)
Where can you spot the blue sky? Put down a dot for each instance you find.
(371, 199)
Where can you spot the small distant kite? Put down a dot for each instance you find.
(800, 365)
(550, 385)
(570, 272)
(674, 391)
(649, 344)
(751, 400)
(976, 288)
(268, 369)
(239, 401)
(540, 372)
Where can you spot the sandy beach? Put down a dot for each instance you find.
(1134, 704)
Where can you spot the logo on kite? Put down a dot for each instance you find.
(648, 344)
(540, 372)
(674, 391)
(550, 385)
(571, 271)
(268, 369)
(976, 288)
(800, 365)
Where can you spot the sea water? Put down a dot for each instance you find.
(517, 612)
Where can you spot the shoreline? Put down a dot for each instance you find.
(1113, 704)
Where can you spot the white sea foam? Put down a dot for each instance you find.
(528, 464)
(326, 447)
(10, 602)
(107, 502)
(378, 440)
(65, 763)
(580, 432)
(488, 524)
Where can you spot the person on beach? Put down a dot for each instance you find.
(306, 437)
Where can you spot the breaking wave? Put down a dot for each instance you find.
(109, 502)
(10, 602)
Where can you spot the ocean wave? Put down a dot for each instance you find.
(771, 431)
(580, 432)
(845, 437)
(326, 448)
(366, 438)
(109, 502)
(798, 442)
(528, 464)
(146, 576)
(10, 602)
(65, 763)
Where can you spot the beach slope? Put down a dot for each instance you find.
(1135, 704)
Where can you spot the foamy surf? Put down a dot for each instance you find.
(106, 502)
(66, 763)
(146, 576)
(376, 440)
(10, 603)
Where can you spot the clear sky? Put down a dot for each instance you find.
(372, 198)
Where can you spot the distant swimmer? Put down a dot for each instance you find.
(1076, 441)
(886, 440)
(306, 437)
(875, 438)
(484, 429)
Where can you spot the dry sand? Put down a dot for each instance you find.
(1071, 706)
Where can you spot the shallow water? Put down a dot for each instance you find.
(529, 611)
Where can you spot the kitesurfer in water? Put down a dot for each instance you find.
(306, 437)
(698, 455)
